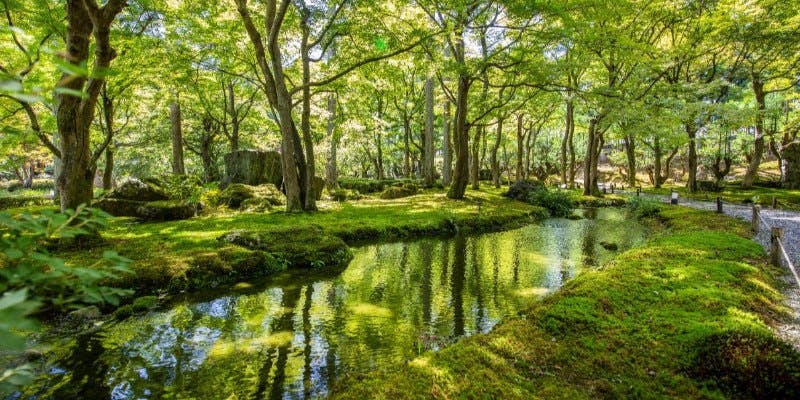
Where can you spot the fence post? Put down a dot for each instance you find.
(638, 191)
(774, 202)
(756, 216)
(719, 204)
(775, 241)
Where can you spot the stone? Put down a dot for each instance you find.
(397, 192)
(303, 247)
(253, 198)
(136, 190)
(253, 167)
(86, 314)
(791, 156)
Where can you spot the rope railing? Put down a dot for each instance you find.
(778, 254)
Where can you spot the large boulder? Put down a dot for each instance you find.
(791, 154)
(135, 190)
(253, 167)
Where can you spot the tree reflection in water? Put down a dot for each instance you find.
(299, 331)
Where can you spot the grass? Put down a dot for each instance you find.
(637, 328)
(181, 255)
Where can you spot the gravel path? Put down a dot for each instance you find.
(790, 221)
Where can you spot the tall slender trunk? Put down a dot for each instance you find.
(571, 148)
(475, 167)
(691, 131)
(108, 172)
(331, 172)
(447, 162)
(759, 146)
(657, 154)
(569, 116)
(630, 152)
(177, 138)
(406, 147)
(590, 165)
(493, 156)
(310, 203)
(520, 149)
(428, 166)
(461, 135)
(235, 121)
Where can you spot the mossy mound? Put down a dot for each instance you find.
(303, 247)
(749, 365)
(251, 198)
(177, 187)
(522, 190)
(341, 195)
(135, 190)
(167, 210)
(398, 192)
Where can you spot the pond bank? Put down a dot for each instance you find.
(172, 257)
(687, 315)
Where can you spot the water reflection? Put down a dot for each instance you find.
(291, 338)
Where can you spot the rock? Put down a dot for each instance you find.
(522, 190)
(234, 195)
(118, 207)
(136, 190)
(574, 217)
(252, 167)
(609, 246)
(791, 154)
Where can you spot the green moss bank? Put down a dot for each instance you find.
(190, 255)
(686, 315)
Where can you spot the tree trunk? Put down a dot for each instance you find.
(74, 115)
(630, 152)
(570, 114)
(305, 121)
(475, 167)
(657, 153)
(521, 159)
(379, 142)
(758, 150)
(177, 138)
(493, 156)
(108, 172)
(447, 162)
(590, 166)
(331, 172)
(428, 168)
(461, 134)
(406, 147)
(691, 131)
(235, 121)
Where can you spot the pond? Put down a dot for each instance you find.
(291, 336)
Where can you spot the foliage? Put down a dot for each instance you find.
(559, 203)
(32, 280)
(523, 189)
(643, 207)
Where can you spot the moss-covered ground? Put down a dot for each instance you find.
(186, 255)
(686, 315)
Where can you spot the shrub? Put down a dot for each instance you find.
(749, 365)
(644, 208)
(345, 195)
(558, 203)
(178, 187)
(522, 190)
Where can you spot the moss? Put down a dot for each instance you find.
(145, 303)
(632, 329)
(300, 247)
(398, 192)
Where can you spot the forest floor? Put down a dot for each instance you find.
(187, 255)
(690, 314)
(786, 198)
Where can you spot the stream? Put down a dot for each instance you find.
(291, 336)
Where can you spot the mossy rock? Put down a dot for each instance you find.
(398, 192)
(342, 195)
(144, 303)
(301, 247)
(234, 195)
(177, 187)
(135, 190)
(252, 198)
(253, 167)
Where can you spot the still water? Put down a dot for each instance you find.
(291, 336)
